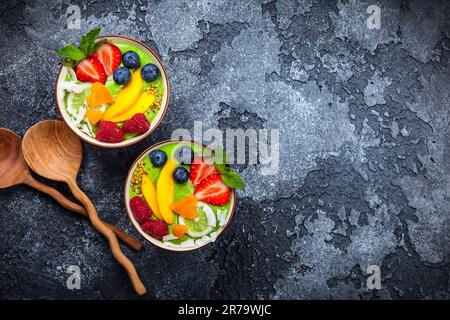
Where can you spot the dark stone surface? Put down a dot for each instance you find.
(364, 174)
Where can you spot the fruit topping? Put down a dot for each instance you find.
(164, 191)
(150, 72)
(148, 190)
(90, 70)
(126, 97)
(122, 75)
(88, 45)
(200, 169)
(137, 124)
(145, 100)
(184, 155)
(158, 158)
(157, 229)
(99, 95)
(181, 175)
(203, 223)
(212, 190)
(94, 116)
(180, 230)
(110, 132)
(186, 207)
(131, 60)
(140, 209)
(110, 56)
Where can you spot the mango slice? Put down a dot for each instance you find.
(186, 207)
(149, 192)
(164, 191)
(126, 97)
(141, 105)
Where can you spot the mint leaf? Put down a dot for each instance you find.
(232, 179)
(229, 177)
(87, 42)
(71, 52)
(221, 167)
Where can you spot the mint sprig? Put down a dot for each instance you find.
(72, 54)
(229, 177)
(232, 179)
(87, 42)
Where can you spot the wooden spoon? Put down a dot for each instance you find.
(14, 170)
(54, 151)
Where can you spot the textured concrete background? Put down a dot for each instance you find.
(364, 167)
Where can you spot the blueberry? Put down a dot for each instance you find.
(149, 72)
(122, 75)
(180, 175)
(158, 158)
(184, 155)
(131, 60)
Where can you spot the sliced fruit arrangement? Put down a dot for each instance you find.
(149, 193)
(200, 169)
(110, 56)
(110, 82)
(213, 190)
(191, 194)
(186, 207)
(90, 70)
(99, 95)
(164, 191)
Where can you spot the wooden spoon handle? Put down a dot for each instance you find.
(109, 235)
(125, 237)
(63, 201)
(66, 203)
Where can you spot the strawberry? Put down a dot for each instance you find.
(213, 191)
(200, 169)
(90, 70)
(110, 56)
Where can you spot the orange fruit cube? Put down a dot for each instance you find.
(180, 230)
(99, 95)
(93, 116)
(186, 207)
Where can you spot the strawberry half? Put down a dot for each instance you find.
(200, 169)
(90, 70)
(110, 56)
(213, 191)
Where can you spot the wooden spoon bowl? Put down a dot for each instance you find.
(14, 171)
(13, 168)
(54, 151)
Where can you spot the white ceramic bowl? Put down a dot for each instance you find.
(59, 96)
(136, 224)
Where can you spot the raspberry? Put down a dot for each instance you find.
(156, 229)
(137, 124)
(108, 131)
(141, 210)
